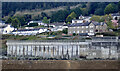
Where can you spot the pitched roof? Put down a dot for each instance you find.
(97, 23)
(85, 24)
(79, 24)
(28, 29)
(57, 24)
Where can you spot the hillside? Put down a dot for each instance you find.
(10, 8)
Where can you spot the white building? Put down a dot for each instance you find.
(39, 23)
(5, 28)
(77, 21)
(29, 31)
(8, 29)
(81, 19)
(57, 26)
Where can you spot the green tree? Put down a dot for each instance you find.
(9, 20)
(43, 14)
(15, 23)
(109, 9)
(110, 25)
(65, 31)
(84, 11)
(99, 11)
(77, 11)
(59, 16)
(95, 18)
(71, 16)
(45, 20)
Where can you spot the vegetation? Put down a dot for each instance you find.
(101, 18)
(105, 18)
(110, 8)
(71, 16)
(45, 20)
(65, 31)
(9, 9)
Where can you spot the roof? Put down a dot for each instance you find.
(114, 21)
(3, 25)
(79, 24)
(28, 29)
(85, 24)
(115, 14)
(36, 21)
(57, 24)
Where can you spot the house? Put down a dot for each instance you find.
(6, 28)
(57, 26)
(115, 23)
(77, 21)
(29, 31)
(115, 16)
(81, 19)
(38, 22)
(87, 28)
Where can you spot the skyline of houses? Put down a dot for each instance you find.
(87, 28)
(81, 26)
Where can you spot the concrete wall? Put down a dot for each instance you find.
(78, 49)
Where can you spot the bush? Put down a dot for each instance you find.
(65, 31)
(74, 34)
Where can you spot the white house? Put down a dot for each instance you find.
(77, 21)
(6, 28)
(39, 23)
(57, 26)
(81, 19)
(29, 31)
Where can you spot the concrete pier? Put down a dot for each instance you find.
(64, 49)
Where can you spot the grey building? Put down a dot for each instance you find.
(87, 28)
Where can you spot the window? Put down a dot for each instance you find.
(91, 26)
(75, 21)
(86, 26)
(91, 30)
(77, 31)
(73, 31)
(86, 31)
(82, 31)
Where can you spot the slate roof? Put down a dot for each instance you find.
(79, 24)
(57, 24)
(85, 24)
(97, 23)
(28, 29)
